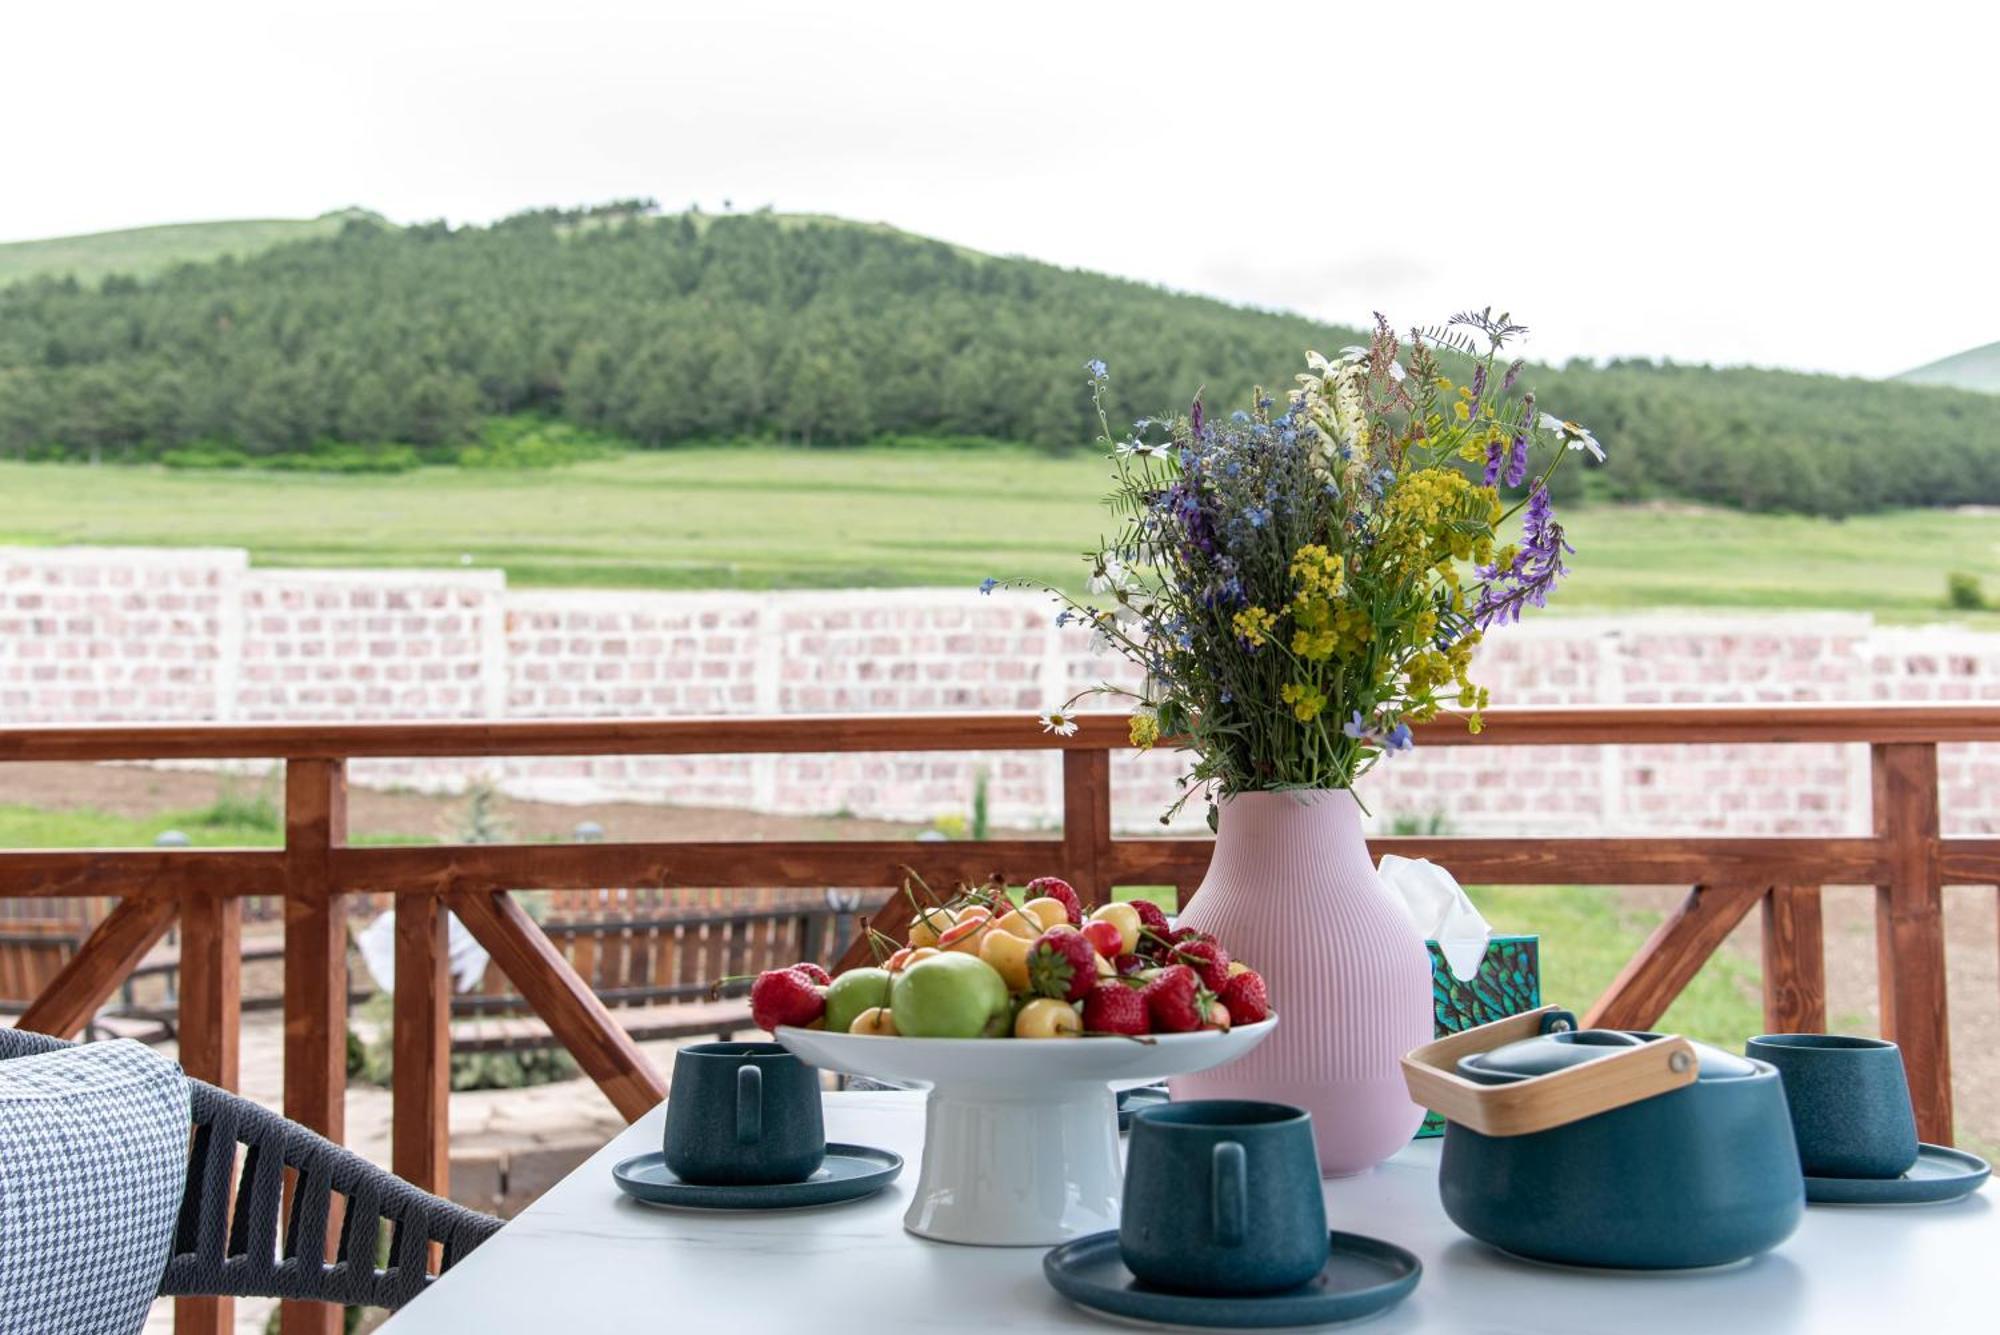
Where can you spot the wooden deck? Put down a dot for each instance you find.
(1905, 857)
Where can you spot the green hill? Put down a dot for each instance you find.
(668, 330)
(1975, 368)
(143, 251)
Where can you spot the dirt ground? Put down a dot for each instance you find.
(1973, 962)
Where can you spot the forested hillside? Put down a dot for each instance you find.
(820, 332)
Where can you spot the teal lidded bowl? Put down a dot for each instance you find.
(1703, 1175)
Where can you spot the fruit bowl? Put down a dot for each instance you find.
(1020, 1135)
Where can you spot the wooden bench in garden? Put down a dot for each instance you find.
(656, 972)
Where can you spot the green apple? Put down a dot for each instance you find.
(853, 992)
(951, 996)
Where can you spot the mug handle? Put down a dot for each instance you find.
(1230, 1173)
(749, 1104)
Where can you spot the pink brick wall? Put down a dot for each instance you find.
(92, 634)
(107, 634)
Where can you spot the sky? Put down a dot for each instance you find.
(1780, 184)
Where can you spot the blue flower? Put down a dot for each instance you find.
(1399, 738)
(1239, 417)
(1258, 516)
(988, 584)
(1064, 617)
(1356, 729)
(1098, 370)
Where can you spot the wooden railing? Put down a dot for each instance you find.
(1905, 857)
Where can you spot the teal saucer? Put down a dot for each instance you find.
(1363, 1276)
(849, 1173)
(1938, 1175)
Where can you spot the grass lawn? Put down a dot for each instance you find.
(768, 517)
(143, 251)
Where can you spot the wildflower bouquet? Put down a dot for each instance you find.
(1299, 585)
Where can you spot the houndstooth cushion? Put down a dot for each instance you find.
(93, 1157)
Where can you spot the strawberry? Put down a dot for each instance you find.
(1105, 938)
(1127, 965)
(1055, 887)
(1116, 1008)
(785, 996)
(1174, 1001)
(1061, 964)
(1209, 961)
(1151, 916)
(814, 972)
(1183, 935)
(1247, 998)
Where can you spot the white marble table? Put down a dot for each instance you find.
(585, 1259)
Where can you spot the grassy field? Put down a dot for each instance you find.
(142, 251)
(768, 517)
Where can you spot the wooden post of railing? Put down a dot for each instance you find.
(1087, 821)
(420, 1126)
(315, 978)
(1909, 928)
(1794, 961)
(210, 1023)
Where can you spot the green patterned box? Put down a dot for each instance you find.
(1509, 981)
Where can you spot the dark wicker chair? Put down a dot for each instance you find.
(223, 1252)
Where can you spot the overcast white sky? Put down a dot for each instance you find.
(1803, 185)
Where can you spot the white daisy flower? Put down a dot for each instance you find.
(1059, 722)
(1106, 576)
(1573, 435)
(1143, 449)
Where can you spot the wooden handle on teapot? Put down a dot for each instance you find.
(1621, 1076)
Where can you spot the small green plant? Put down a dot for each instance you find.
(481, 822)
(233, 808)
(1428, 824)
(981, 804)
(1962, 592)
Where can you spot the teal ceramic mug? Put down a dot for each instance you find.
(743, 1114)
(1849, 1100)
(1222, 1196)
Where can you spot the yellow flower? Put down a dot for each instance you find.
(1306, 701)
(1145, 730)
(1254, 625)
(1317, 570)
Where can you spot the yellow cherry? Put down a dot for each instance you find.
(1048, 912)
(1125, 918)
(1008, 954)
(1046, 1017)
(1020, 924)
(928, 925)
(875, 1020)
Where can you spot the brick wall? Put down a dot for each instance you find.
(90, 635)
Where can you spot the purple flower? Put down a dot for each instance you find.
(1496, 457)
(1534, 572)
(1517, 460)
(1195, 417)
(1389, 742)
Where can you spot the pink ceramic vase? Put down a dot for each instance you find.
(1292, 891)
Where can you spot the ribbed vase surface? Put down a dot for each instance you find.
(1292, 892)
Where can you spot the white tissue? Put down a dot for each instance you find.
(1439, 910)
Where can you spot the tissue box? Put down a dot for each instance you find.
(1509, 981)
